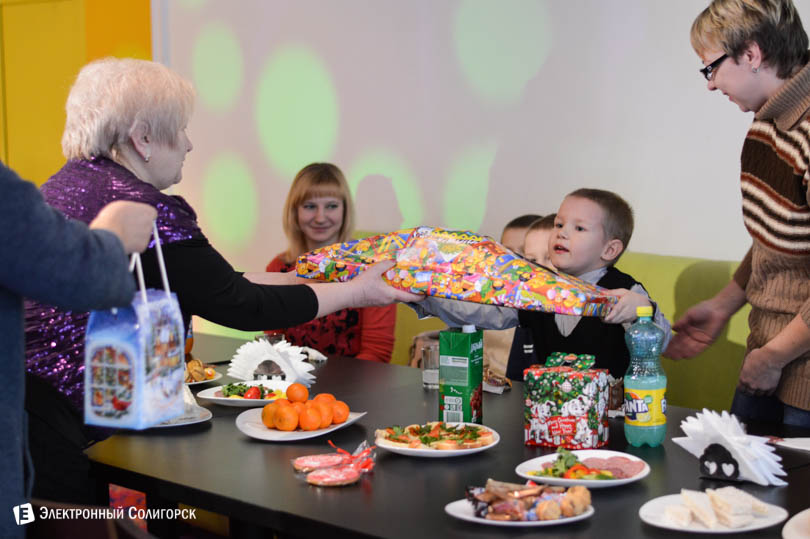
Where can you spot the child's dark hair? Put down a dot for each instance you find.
(618, 214)
(544, 223)
(524, 221)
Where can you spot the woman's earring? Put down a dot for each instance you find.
(755, 69)
(146, 158)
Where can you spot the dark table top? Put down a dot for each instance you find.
(214, 466)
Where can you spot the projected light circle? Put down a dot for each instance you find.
(296, 111)
(501, 45)
(229, 201)
(467, 186)
(406, 188)
(217, 66)
(193, 4)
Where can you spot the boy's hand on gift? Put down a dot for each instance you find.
(695, 331)
(625, 309)
(760, 374)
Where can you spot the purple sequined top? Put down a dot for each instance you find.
(54, 338)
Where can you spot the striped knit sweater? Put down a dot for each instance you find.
(775, 273)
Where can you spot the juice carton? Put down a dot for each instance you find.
(461, 375)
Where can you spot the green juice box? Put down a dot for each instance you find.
(461, 375)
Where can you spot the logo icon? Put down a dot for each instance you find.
(23, 514)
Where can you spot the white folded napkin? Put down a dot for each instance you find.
(289, 358)
(756, 459)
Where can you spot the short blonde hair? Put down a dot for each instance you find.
(313, 181)
(774, 25)
(112, 96)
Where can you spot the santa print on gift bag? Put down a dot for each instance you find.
(565, 407)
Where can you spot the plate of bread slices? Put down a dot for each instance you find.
(722, 510)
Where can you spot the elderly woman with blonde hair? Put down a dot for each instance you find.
(125, 139)
(319, 212)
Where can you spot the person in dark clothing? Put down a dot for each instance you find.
(61, 261)
(125, 139)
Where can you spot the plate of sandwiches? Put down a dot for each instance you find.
(437, 439)
(722, 510)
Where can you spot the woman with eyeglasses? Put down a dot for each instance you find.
(756, 53)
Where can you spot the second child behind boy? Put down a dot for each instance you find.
(591, 231)
(535, 242)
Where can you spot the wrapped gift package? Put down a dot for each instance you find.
(133, 358)
(458, 265)
(566, 406)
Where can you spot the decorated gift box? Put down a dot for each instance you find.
(565, 403)
(458, 265)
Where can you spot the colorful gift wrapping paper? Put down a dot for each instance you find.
(458, 265)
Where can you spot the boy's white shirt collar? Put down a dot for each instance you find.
(593, 276)
(567, 322)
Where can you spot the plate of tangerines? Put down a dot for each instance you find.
(297, 417)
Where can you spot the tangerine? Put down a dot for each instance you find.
(340, 412)
(297, 392)
(310, 419)
(267, 415)
(326, 413)
(325, 397)
(282, 402)
(285, 418)
(299, 407)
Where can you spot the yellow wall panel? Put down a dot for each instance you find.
(3, 149)
(44, 44)
(106, 36)
(43, 48)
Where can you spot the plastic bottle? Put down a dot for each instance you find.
(645, 383)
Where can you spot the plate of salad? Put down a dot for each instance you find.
(246, 394)
(592, 468)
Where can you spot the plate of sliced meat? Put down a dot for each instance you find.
(592, 468)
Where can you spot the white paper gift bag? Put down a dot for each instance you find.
(134, 358)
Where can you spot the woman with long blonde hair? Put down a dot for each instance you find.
(319, 212)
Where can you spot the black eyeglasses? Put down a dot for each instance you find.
(709, 70)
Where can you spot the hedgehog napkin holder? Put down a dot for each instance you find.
(727, 453)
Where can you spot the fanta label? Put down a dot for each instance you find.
(645, 407)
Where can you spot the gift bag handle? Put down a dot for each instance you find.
(135, 262)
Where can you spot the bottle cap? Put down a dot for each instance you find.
(644, 311)
(468, 328)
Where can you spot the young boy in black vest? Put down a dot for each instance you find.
(591, 231)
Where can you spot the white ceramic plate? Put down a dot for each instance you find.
(250, 423)
(463, 510)
(798, 527)
(438, 453)
(216, 377)
(524, 468)
(802, 444)
(198, 414)
(652, 513)
(214, 394)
